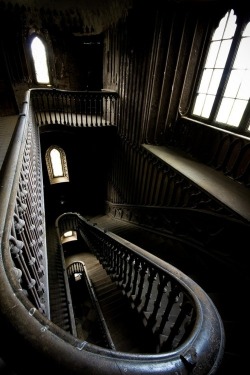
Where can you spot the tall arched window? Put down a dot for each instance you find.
(40, 61)
(56, 165)
(223, 94)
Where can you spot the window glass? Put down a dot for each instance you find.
(56, 163)
(40, 61)
(214, 65)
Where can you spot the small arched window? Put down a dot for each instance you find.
(56, 165)
(39, 56)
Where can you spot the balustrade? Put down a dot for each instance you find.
(75, 108)
(165, 306)
(147, 281)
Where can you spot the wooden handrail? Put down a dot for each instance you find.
(166, 289)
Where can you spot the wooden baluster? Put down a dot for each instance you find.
(124, 279)
(151, 280)
(112, 257)
(137, 268)
(172, 299)
(129, 282)
(185, 311)
(121, 267)
(143, 272)
(161, 290)
(54, 107)
(115, 268)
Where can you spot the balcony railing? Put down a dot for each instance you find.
(194, 341)
(74, 108)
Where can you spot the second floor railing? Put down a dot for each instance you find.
(74, 108)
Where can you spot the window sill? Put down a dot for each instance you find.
(231, 193)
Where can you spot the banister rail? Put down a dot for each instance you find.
(74, 108)
(176, 310)
(22, 210)
(24, 293)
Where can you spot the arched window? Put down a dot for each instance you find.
(40, 61)
(56, 161)
(222, 97)
(56, 165)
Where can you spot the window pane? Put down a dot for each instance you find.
(231, 26)
(207, 106)
(237, 112)
(212, 54)
(213, 87)
(40, 60)
(247, 30)
(226, 28)
(234, 82)
(223, 53)
(238, 85)
(56, 163)
(244, 91)
(203, 105)
(205, 80)
(199, 104)
(242, 60)
(224, 110)
(231, 111)
(220, 29)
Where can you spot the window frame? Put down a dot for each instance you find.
(52, 178)
(241, 22)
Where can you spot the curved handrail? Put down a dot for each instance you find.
(39, 345)
(197, 348)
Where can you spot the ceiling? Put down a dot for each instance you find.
(85, 16)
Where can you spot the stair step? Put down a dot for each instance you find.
(105, 290)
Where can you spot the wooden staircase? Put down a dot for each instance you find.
(125, 326)
(221, 285)
(58, 297)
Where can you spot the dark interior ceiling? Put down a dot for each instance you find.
(82, 17)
